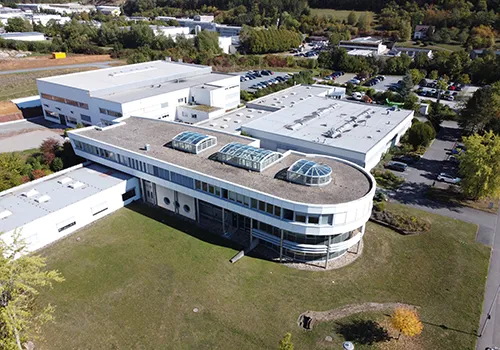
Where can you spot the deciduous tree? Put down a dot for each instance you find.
(21, 277)
(406, 321)
(480, 166)
(420, 134)
(286, 342)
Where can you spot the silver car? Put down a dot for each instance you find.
(448, 178)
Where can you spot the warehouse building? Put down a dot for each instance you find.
(316, 119)
(304, 207)
(159, 89)
(47, 209)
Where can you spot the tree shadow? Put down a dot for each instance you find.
(363, 332)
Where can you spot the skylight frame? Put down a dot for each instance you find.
(309, 173)
(193, 142)
(248, 157)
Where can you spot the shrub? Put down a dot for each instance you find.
(379, 206)
(57, 164)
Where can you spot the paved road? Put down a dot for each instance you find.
(27, 134)
(104, 64)
(491, 306)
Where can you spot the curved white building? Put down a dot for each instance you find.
(304, 207)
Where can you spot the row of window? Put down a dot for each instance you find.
(186, 181)
(65, 100)
(110, 112)
(264, 207)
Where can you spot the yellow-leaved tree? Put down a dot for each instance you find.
(406, 321)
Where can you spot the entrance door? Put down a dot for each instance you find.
(62, 119)
(150, 194)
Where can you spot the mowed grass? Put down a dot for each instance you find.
(340, 15)
(132, 282)
(24, 84)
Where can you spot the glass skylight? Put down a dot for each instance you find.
(247, 157)
(193, 142)
(307, 172)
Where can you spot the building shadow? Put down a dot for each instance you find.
(412, 193)
(365, 332)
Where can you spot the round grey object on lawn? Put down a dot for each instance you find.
(328, 339)
(195, 309)
(348, 345)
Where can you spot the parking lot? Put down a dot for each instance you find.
(390, 80)
(245, 85)
(436, 159)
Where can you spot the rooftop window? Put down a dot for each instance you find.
(193, 142)
(307, 172)
(247, 157)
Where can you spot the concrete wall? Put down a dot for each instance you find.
(44, 231)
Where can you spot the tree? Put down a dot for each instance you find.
(482, 111)
(18, 24)
(286, 342)
(365, 22)
(420, 134)
(406, 86)
(405, 31)
(57, 164)
(406, 321)
(480, 166)
(438, 113)
(208, 43)
(481, 37)
(352, 18)
(21, 275)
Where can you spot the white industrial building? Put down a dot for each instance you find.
(315, 119)
(47, 209)
(109, 10)
(204, 23)
(23, 36)
(160, 89)
(304, 207)
(364, 46)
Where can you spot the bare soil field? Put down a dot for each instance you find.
(47, 61)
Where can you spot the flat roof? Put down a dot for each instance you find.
(140, 92)
(136, 74)
(360, 52)
(94, 177)
(303, 122)
(349, 182)
(232, 121)
(14, 34)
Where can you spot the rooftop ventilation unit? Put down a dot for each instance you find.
(249, 116)
(5, 214)
(75, 185)
(65, 180)
(42, 199)
(30, 193)
(227, 119)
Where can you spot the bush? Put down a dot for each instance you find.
(379, 206)
(420, 134)
(57, 164)
(402, 221)
(387, 179)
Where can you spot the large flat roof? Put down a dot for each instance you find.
(349, 182)
(361, 125)
(140, 92)
(139, 74)
(95, 178)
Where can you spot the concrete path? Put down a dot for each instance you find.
(27, 134)
(104, 64)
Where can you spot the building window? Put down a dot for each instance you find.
(326, 219)
(254, 203)
(129, 194)
(186, 208)
(166, 201)
(299, 217)
(314, 219)
(262, 206)
(194, 116)
(86, 118)
(66, 226)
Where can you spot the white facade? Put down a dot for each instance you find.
(204, 23)
(152, 89)
(313, 223)
(24, 36)
(364, 46)
(109, 10)
(47, 209)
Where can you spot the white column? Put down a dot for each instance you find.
(328, 250)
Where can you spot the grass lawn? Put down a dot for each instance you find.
(132, 282)
(455, 197)
(24, 84)
(436, 46)
(340, 15)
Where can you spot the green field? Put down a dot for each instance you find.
(436, 46)
(340, 15)
(133, 280)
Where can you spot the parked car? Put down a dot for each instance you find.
(265, 72)
(380, 77)
(448, 178)
(354, 81)
(398, 166)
